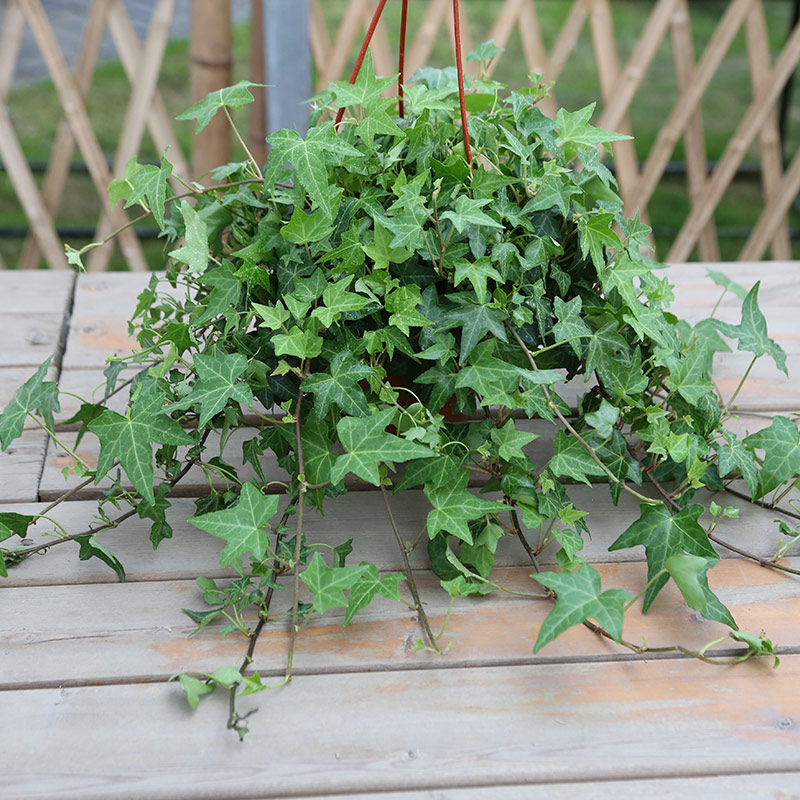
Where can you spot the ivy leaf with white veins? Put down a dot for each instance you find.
(368, 585)
(242, 526)
(367, 87)
(216, 384)
(510, 441)
(579, 598)
(402, 304)
(145, 184)
(572, 459)
(338, 300)
(477, 273)
(570, 325)
(235, 96)
(752, 331)
(454, 506)
(604, 419)
(36, 394)
(574, 127)
(129, 439)
(781, 445)
(734, 455)
(476, 320)
(327, 584)
(307, 156)
(595, 233)
(468, 212)
(194, 252)
(492, 378)
(663, 535)
(367, 445)
(340, 386)
(225, 292)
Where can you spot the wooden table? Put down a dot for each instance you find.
(86, 709)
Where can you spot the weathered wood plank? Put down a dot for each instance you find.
(192, 552)
(50, 640)
(29, 339)
(21, 466)
(196, 482)
(408, 730)
(53, 483)
(767, 786)
(99, 328)
(35, 292)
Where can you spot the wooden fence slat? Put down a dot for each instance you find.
(425, 36)
(127, 43)
(567, 38)
(257, 118)
(628, 83)
(694, 142)
(318, 34)
(770, 144)
(75, 111)
(143, 87)
(774, 213)
(608, 71)
(737, 147)
(345, 38)
(58, 164)
(533, 47)
(16, 164)
(688, 101)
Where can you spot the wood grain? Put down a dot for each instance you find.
(362, 517)
(144, 636)
(408, 730)
(20, 467)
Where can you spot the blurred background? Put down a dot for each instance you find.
(706, 88)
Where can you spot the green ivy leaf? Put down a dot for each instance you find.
(752, 331)
(195, 252)
(689, 573)
(579, 598)
(664, 535)
(468, 212)
(235, 96)
(129, 439)
(328, 584)
(145, 184)
(781, 445)
(510, 441)
(572, 460)
(367, 86)
(367, 445)
(340, 386)
(242, 526)
(36, 394)
(91, 548)
(454, 506)
(368, 585)
(574, 128)
(217, 383)
(735, 455)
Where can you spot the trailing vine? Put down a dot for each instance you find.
(389, 302)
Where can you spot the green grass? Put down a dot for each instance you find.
(31, 109)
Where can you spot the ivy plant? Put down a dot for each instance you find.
(374, 310)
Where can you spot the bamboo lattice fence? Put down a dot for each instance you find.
(668, 25)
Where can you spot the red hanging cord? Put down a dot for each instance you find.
(402, 61)
(360, 60)
(460, 68)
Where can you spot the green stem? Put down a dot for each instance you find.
(739, 387)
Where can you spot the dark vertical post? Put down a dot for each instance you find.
(287, 62)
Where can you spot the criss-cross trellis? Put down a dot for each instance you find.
(619, 85)
(145, 109)
(332, 47)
